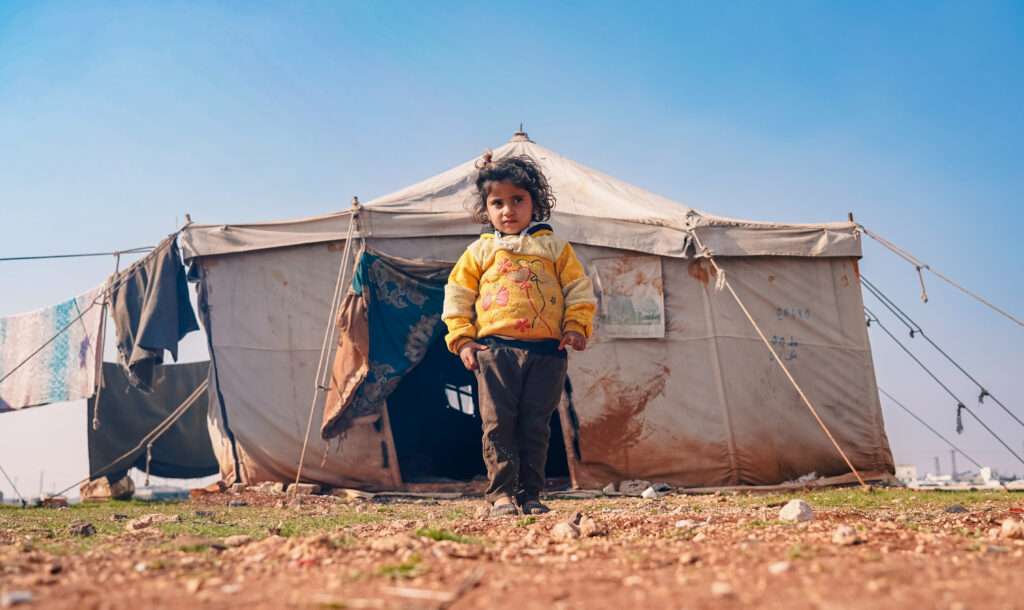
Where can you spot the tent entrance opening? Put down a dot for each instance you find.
(436, 428)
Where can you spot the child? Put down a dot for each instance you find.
(514, 300)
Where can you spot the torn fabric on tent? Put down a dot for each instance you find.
(151, 311)
(66, 367)
(398, 303)
(128, 414)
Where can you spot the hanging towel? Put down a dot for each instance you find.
(151, 311)
(184, 451)
(66, 367)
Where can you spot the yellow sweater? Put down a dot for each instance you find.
(529, 287)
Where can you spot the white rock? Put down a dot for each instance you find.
(1012, 529)
(141, 566)
(590, 527)
(146, 520)
(649, 493)
(720, 588)
(845, 535)
(796, 511)
(778, 567)
(12, 598)
(686, 524)
(609, 488)
(565, 531)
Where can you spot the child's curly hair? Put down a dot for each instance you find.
(523, 172)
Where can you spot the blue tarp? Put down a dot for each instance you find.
(404, 317)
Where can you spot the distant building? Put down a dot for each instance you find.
(906, 473)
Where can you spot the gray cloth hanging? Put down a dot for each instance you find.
(151, 311)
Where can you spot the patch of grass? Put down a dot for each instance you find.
(198, 547)
(526, 521)
(871, 557)
(968, 533)
(409, 568)
(683, 534)
(757, 524)
(802, 551)
(443, 534)
(854, 499)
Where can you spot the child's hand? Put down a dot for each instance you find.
(468, 355)
(574, 339)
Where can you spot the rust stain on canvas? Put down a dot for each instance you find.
(620, 424)
(701, 271)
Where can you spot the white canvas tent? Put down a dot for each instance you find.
(702, 405)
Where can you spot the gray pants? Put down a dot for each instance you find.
(519, 390)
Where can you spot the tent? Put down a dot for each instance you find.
(675, 386)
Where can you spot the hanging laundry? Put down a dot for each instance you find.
(151, 311)
(68, 338)
(127, 415)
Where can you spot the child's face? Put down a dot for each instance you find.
(509, 208)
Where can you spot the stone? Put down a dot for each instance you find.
(633, 487)
(778, 567)
(796, 511)
(650, 493)
(236, 540)
(1012, 529)
(590, 527)
(564, 531)
(237, 503)
(688, 524)
(238, 488)
(956, 508)
(688, 559)
(720, 588)
(101, 490)
(271, 487)
(54, 502)
(13, 598)
(846, 535)
(393, 544)
(146, 520)
(81, 529)
(304, 488)
(609, 489)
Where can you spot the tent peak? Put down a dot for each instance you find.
(520, 136)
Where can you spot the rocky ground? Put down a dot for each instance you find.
(885, 549)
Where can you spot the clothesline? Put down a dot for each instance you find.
(50, 256)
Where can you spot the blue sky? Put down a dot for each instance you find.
(117, 120)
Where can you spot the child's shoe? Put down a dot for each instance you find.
(534, 507)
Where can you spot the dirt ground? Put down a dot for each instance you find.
(903, 549)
